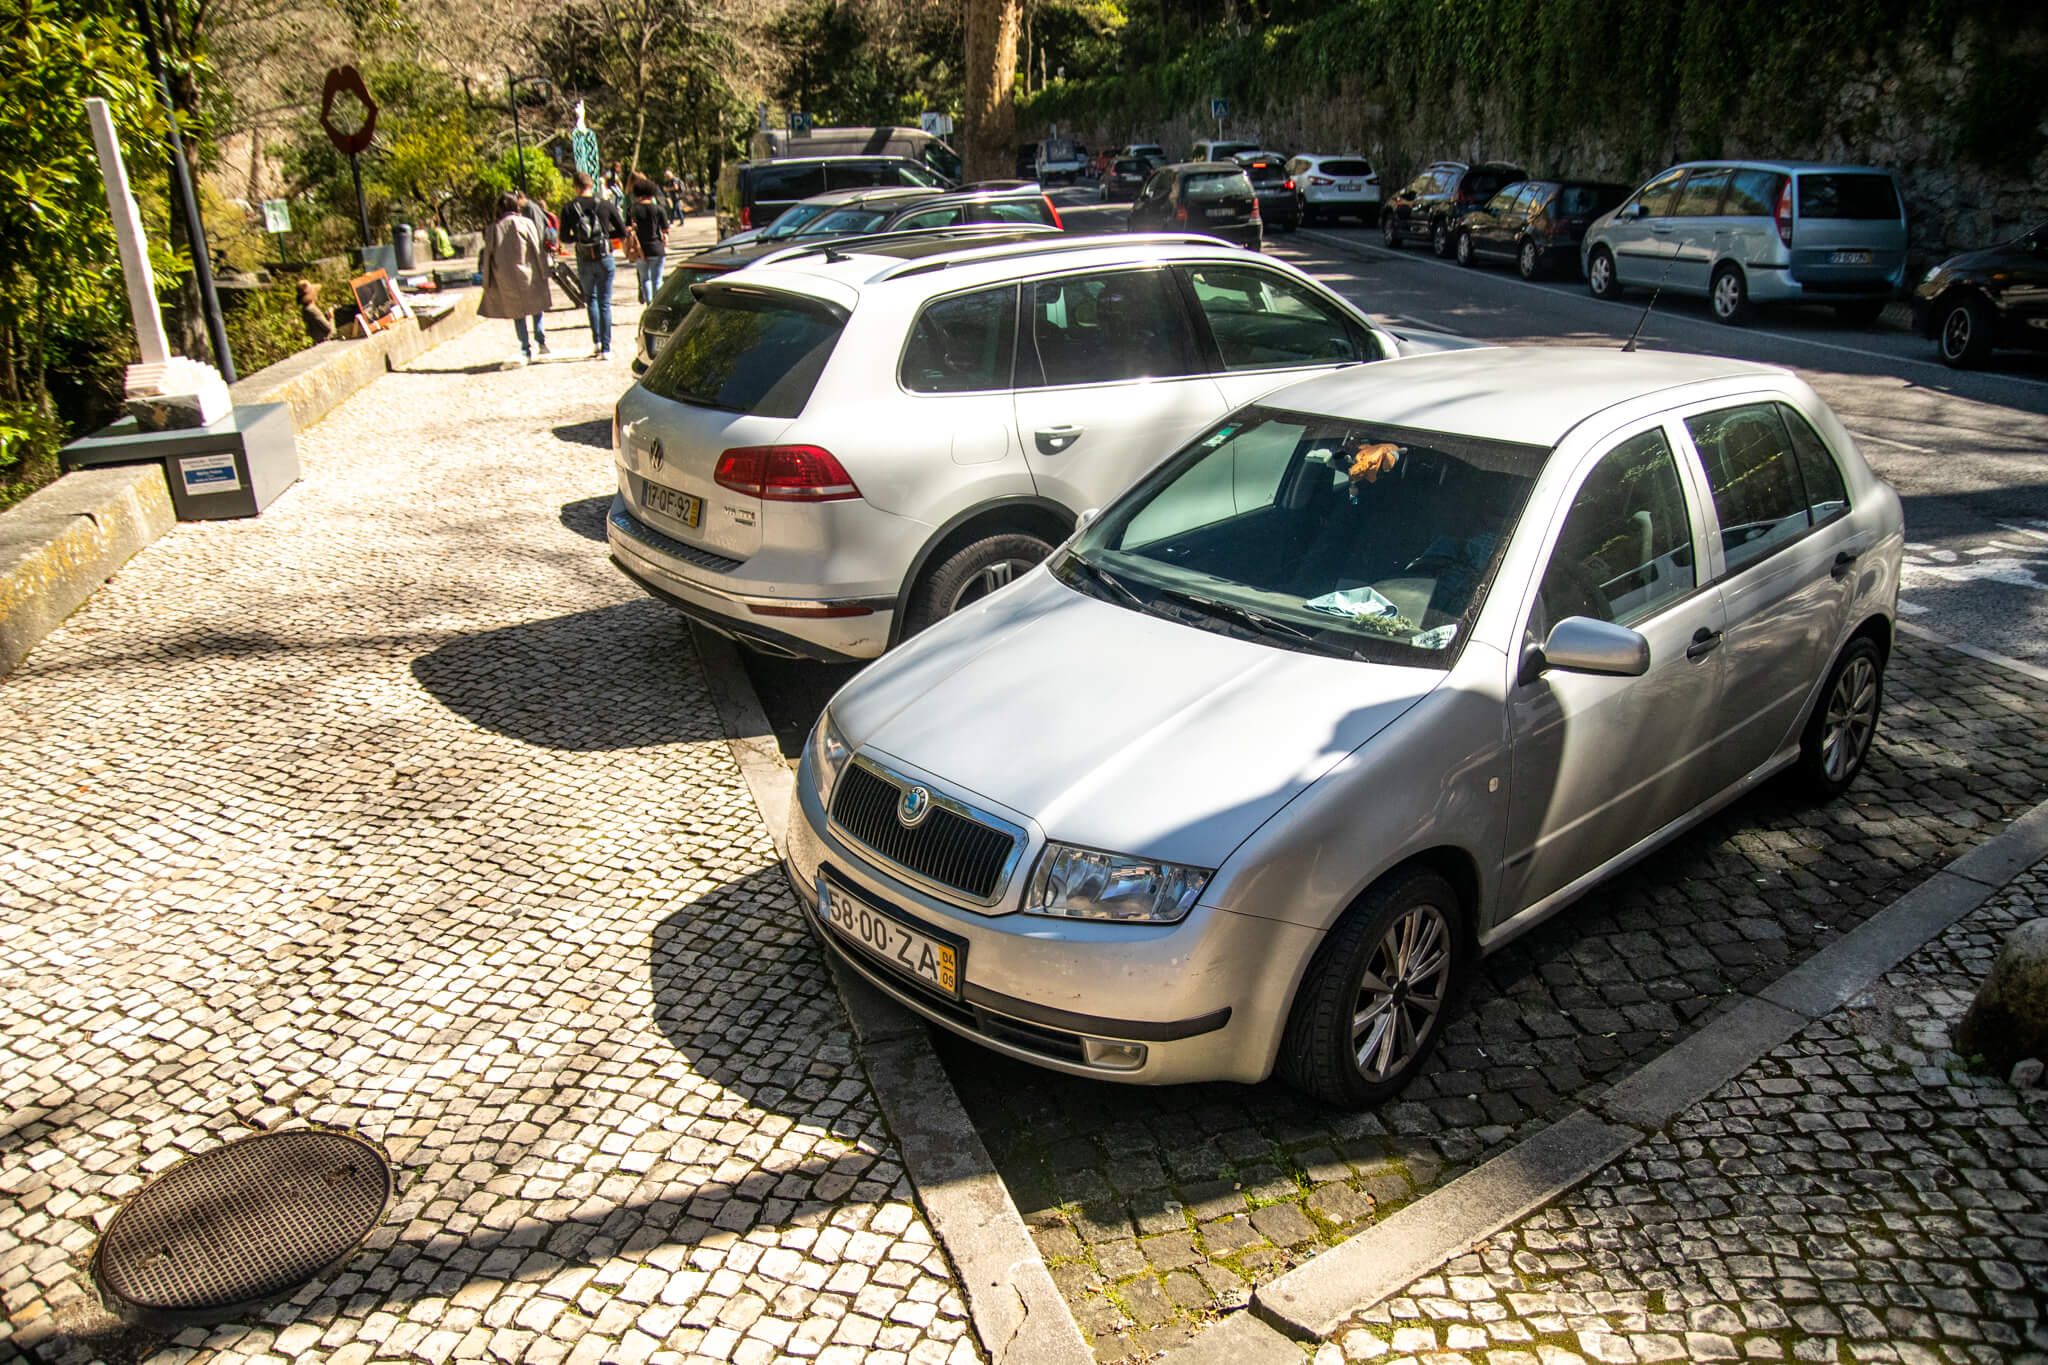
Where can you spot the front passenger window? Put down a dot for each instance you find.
(1759, 493)
(1658, 195)
(1625, 551)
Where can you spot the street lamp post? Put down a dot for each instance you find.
(512, 84)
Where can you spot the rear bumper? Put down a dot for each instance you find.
(1251, 235)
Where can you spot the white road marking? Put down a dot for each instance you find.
(2019, 666)
(1888, 441)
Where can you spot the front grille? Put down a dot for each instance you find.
(948, 848)
(628, 524)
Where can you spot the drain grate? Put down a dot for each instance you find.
(240, 1224)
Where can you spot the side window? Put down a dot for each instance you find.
(1701, 197)
(919, 176)
(1524, 197)
(1017, 211)
(1501, 203)
(931, 218)
(1759, 494)
(858, 175)
(962, 344)
(1264, 321)
(1656, 196)
(1827, 497)
(1625, 551)
(787, 182)
(1753, 194)
(1094, 329)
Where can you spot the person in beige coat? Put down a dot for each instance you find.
(515, 271)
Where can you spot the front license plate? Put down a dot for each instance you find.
(1849, 258)
(884, 936)
(1350, 186)
(672, 502)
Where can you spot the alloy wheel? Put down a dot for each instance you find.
(1728, 299)
(1528, 261)
(1955, 333)
(987, 580)
(1407, 979)
(1851, 719)
(1600, 274)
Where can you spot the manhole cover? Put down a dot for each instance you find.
(241, 1224)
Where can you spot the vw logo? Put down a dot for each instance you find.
(915, 805)
(654, 454)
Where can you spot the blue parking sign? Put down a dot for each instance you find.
(1219, 108)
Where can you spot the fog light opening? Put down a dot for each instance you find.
(1113, 1056)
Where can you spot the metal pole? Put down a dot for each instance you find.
(518, 152)
(355, 168)
(188, 203)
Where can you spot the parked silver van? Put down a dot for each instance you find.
(1744, 233)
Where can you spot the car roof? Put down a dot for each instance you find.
(1205, 166)
(1532, 395)
(1788, 167)
(862, 194)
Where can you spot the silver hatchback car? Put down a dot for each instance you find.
(1368, 679)
(1744, 233)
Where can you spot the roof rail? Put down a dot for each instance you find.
(852, 242)
(969, 255)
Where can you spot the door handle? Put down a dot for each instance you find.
(1844, 562)
(1704, 642)
(1662, 228)
(1052, 440)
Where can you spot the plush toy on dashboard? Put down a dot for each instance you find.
(1372, 461)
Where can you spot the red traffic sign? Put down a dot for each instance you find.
(345, 83)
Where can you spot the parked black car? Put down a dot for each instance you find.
(1278, 204)
(1125, 178)
(1211, 197)
(1980, 300)
(1430, 205)
(1537, 224)
(906, 209)
(753, 194)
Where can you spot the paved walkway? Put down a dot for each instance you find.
(1858, 1194)
(1160, 1208)
(398, 808)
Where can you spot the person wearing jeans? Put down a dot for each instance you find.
(650, 224)
(591, 224)
(515, 273)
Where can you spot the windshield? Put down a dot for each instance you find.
(747, 350)
(941, 159)
(1316, 533)
(842, 221)
(792, 218)
(1214, 185)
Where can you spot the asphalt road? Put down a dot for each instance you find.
(1967, 450)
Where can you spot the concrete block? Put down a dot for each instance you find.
(63, 542)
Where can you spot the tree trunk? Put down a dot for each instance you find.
(991, 114)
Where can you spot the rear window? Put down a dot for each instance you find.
(1032, 210)
(1358, 168)
(1485, 184)
(1853, 195)
(1214, 185)
(1133, 167)
(787, 182)
(1579, 201)
(1265, 172)
(750, 351)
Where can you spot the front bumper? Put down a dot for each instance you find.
(1206, 999)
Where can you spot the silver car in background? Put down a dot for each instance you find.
(1371, 677)
(1744, 233)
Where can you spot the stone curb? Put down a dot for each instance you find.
(1312, 1300)
(316, 380)
(63, 541)
(1897, 315)
(1018, 1311)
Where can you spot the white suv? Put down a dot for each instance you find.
(844, 443)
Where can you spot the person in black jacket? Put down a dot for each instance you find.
(590, 225)
(650, 225)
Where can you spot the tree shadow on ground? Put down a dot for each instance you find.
(620, 677)
(586, 517)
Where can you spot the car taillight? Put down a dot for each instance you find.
(746, 215)
(1288, 185)
(1784, 214)
(1180, 215)
(1320, 180)
(1054, 212)
(784, 474)
(1255, 208)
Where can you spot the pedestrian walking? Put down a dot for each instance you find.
(649, 222)
(536, 211)
(589, 224)
(515, 272)
(672, 190)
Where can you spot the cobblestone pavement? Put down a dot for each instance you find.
(1157, 1208)
(1856, 1195)
(398, 808)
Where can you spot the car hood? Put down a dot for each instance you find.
(1985, 258)
(1115, 729)
(1421, 341)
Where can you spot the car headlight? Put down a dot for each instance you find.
(1085, 883)
(828, 753)
(1932, 271)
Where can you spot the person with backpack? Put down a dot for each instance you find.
(589, 224)
(650, 226)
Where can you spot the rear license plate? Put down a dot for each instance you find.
(1848, 258)
(888, 938)
(673, 503)
(1223, 213)
(1350, 186)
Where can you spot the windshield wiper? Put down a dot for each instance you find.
(1110, 580)
(1260, 621)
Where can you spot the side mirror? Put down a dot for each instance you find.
(1086, 517)
(1636, 210)
(1579, 644)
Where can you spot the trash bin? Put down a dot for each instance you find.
(401, 244)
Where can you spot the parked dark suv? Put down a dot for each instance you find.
(1537, 224)
(753, 194)
(1200, 196)
(1980, 300)
(1278, 204)
(1431, 204)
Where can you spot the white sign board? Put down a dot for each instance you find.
(209, 474)
(277, 216)
(938, 125)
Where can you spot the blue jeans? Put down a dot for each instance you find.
(595, 279)
(649, 269)
(540, 337)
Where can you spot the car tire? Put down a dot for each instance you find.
(1464, 250)
(1440, 240)
(1529, 261)
(1390, 233)
(1406, 928)
(1728, 297)
(1861, 313)
(1837, 739)
(1962, 331)
(1602, 280)
(971, 573)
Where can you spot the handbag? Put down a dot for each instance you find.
(634, 251)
